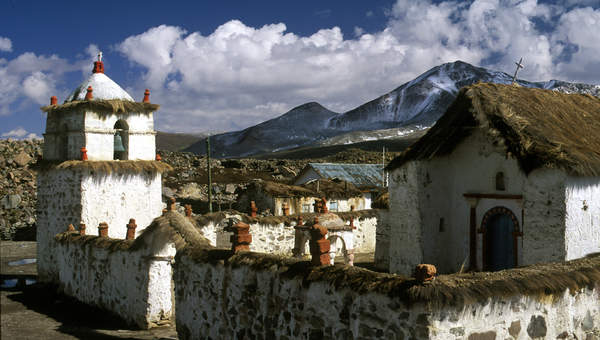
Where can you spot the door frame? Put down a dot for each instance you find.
(499, 210)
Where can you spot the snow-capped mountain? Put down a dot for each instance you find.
(415, 104)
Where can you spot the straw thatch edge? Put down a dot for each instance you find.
(119, 167)
(446, 290)
(540, 128)
(171, 226)
(101, 106)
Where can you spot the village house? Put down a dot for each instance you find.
(369, 178)
(281, 199)
(508, 176)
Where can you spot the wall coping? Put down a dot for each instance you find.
(446, 290)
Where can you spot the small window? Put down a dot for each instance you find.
(306, 208)
(333, 206)
(500, 185)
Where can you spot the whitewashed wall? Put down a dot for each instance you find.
(235, 301)
(279, 238)
(115, 198)
(583, 216)
(424, 192)
(100, 131)
(569, 315)
(135, 285)
(545, 211)
(58, 205)
(382, 240)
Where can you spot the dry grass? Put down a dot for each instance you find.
(452, 290)
(174, 227)
(540, 128)
(171, 226)
(382, 202)
(101, 107)
(108, 167)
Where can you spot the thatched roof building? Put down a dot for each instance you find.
(539, 128)
(508, 176)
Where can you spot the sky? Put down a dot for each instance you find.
(225, 65)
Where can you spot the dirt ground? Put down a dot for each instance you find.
(29, 310)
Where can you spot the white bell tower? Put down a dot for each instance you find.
(99, 164)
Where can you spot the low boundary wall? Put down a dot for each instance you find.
(276, 234)
(264, 296)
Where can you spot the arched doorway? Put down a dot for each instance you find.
(121, 140)
(500, 230)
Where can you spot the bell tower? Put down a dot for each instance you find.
(98, 164)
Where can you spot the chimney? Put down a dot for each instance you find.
(83, 153)
(82, 229)
(53, 100)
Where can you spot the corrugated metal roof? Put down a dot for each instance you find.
(361, 175)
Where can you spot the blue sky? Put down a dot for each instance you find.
(216, 66)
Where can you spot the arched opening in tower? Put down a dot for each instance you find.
(121, 140)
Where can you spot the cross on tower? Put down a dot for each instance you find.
(519, 65)
(100, 56)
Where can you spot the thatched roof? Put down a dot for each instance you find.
(171, 226)
(174, 227)
(329, 189)
(134, 166)
(540, 128)
(382, 202)
(101, 107)
(445, 290)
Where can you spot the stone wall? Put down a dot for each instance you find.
(253, 295)
(135, 285)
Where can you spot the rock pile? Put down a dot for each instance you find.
(18, 188)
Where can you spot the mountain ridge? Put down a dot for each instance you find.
(415, 104)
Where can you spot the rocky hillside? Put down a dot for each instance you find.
(18, 188)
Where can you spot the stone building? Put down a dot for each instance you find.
(296, 199)
(369, 178)
(508, 176)
(98, 164)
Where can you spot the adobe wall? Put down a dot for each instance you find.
(430, 216)
(58, 205)
(99, 132)
(278, 238)
(135, 285)
(583, 216)
(261, 296)
(115, 198)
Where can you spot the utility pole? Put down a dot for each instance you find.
(383, 168)
(519, 65)
(209, 175)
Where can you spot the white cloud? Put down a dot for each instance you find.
(5, 45)
(234, 70)
(358, 31)
(20, 133)
(39, 87)
(30, 77)
(239, 75)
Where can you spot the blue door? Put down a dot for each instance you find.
(500, 252)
